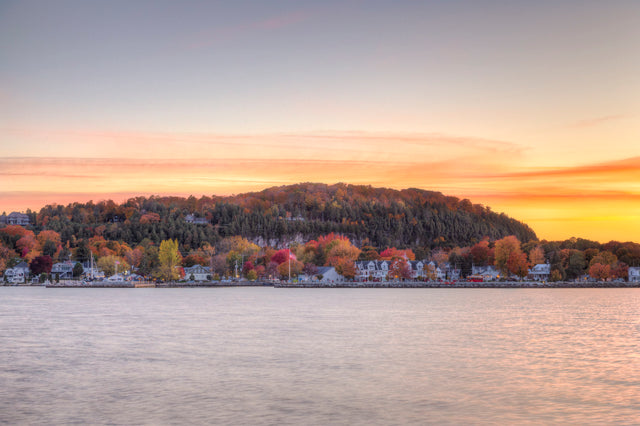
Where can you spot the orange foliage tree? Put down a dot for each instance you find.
(503, 249)
(600, 272)
(400, 268)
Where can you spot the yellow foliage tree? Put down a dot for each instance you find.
(169, 258)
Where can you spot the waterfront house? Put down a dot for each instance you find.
(540, 272)
(199, 273)
(64, 269)
(488, 273)
(417, 269)
(372, 270)
(634, 274)
(18, 274)
(329, 273)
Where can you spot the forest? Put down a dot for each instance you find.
(376, 216)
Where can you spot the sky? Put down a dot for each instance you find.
(531, 108)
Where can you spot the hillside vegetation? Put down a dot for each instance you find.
(379, 217)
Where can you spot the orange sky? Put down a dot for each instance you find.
(531, 108)
(599, 201)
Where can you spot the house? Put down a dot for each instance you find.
(540, 272)
(487, 273)
(329, 273)
(634, 274)
(199, 272)
(64, 269)
(372, 270)
(417, 269)
(15, 218)
(18, 274)
(190, 218)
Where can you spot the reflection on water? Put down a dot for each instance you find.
(319, 356)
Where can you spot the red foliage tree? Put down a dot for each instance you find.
(600, 272)
(41, 264)
(400, 269)
(518, 264)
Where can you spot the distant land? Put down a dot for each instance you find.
(294, 230)
(380, 217)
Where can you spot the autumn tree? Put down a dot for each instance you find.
(369, 253)
(600, 272)
(341, 251)
(169, 258)
(41, 264)
(109, 265)
(536, 256)
(430, 272)
(346, 268)
(517, 264)
(503, 249)
(481, 253)
(293, 266)
(400, 268)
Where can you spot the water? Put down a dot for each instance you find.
(319, 356)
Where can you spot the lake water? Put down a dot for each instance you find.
(319, 356)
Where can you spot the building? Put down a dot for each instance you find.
(329, 273)
(540, 272)
(634, 274)
(190, 218)
(372, 270)
(18, 274)
(199, 273)
(15, 218)
(64, 269)
(487, 273)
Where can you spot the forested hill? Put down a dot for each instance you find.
(384, 217)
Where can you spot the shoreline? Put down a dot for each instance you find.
(406, 284)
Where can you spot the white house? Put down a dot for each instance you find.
(329, 273)
(372, 269)
(17, 274)
(199, 273)
(540, 272)
(634, 274)
(488, 273)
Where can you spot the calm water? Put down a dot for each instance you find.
(319, 356)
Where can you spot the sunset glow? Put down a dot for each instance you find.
(531, 109)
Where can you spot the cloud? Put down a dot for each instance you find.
(347, 145)
(591, 122)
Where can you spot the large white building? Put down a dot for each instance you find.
(634, 274)
(540, 272)
(18, 274)
(198, 272)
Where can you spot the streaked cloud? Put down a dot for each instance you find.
(591, 122)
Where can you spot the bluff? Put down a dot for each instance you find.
(380, 217)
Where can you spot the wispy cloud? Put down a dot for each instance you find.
(591, 122)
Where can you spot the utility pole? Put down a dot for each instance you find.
(289, 263)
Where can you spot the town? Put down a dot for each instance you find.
(30, 258)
